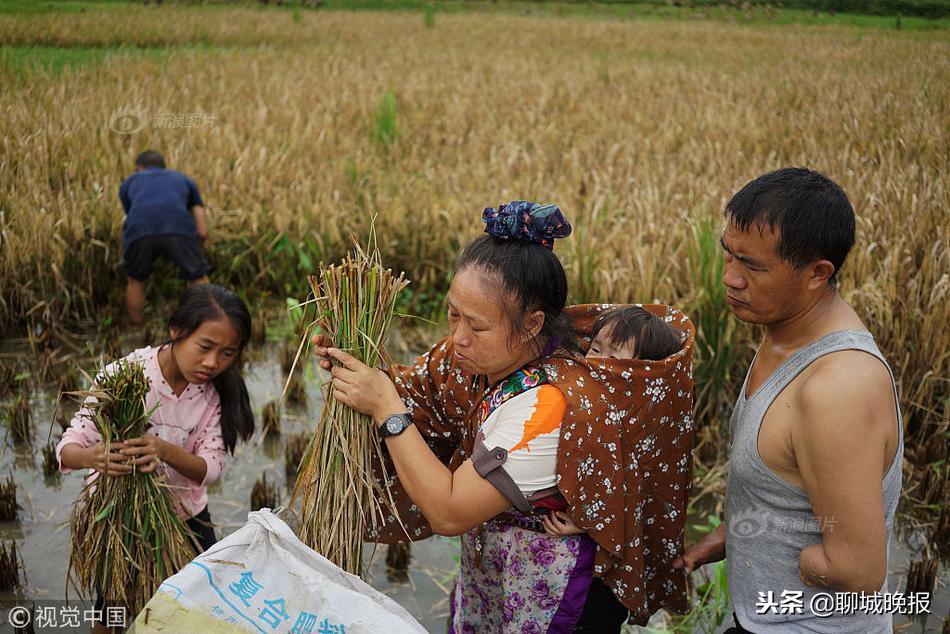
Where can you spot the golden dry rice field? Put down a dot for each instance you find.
(639, 130)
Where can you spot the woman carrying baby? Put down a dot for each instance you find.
(476, 433)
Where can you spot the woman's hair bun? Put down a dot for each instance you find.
(526, 221)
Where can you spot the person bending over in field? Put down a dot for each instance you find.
(164, 217)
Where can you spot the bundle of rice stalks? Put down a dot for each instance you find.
(934, 479)
(11, 564)
(50, 463)
(18, 419)
(270, 446)
(264, 495)
(355, 302)
(126, 534)
(270, 418)
(8, 505)
(293, 453)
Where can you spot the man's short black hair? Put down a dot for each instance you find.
(150, 158)
(813, 216)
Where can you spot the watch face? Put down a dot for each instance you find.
(393, 425)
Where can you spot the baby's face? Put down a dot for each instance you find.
(601, 348)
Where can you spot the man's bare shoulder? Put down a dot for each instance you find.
(851, 386)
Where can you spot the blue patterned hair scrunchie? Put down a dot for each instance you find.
(521, 220)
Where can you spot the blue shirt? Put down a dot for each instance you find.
(158, 201)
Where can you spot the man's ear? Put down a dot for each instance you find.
(818, 273)
(534, 322)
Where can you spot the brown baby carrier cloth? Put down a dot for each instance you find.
(625, 462)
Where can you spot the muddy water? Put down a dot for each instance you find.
(42, 535)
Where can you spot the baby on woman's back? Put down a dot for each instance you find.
(621, 333)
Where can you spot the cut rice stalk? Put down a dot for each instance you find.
(50, 462)
(264, 495)
(270, 418)
(18, 419)
(8, 503)
(398, 556)
(296, 390)
(12, 569)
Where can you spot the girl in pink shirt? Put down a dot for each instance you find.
(202, 406)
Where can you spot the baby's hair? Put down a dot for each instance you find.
(205, 302)
(655, 339)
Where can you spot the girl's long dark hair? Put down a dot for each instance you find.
(206, 302)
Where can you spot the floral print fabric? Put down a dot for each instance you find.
(521, 582)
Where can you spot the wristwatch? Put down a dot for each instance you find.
(394, 425)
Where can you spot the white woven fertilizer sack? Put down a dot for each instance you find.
(263, 579)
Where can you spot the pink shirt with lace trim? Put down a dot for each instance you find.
(192, 421)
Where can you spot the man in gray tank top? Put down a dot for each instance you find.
(816, 437)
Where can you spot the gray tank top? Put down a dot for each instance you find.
(769, 521)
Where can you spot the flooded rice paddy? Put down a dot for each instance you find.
(42, 535)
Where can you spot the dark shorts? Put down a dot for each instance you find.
(184, 251)
(201, 526)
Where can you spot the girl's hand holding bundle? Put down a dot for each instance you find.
(149, 451)
(95, 457)
(145, 452)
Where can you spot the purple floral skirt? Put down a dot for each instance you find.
(526, 583)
